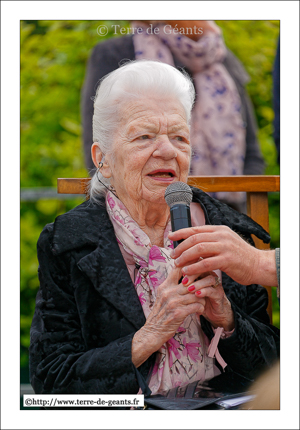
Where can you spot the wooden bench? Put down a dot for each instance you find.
(256, 187)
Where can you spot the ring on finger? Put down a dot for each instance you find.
(218, 281)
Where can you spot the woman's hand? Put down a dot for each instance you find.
(207, 248)
(172, 305)
(174, 302)
(217, 308)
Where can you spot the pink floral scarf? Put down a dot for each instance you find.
(186, 357)
(218, 134)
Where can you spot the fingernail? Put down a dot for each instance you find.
(198, 293)
(191, 288)
(185, 280)
(172, 253)
(184, 271)
(177, 261)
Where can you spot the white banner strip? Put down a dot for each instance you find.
(83, 400)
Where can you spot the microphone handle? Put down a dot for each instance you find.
(180, 218)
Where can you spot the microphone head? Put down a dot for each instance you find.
(178, 192)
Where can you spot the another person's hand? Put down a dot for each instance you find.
(207, 248)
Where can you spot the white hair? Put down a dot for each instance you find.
(133, 80)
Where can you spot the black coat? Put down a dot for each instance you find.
(87, 310)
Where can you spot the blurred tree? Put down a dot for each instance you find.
(53, 63)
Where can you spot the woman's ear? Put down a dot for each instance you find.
(98, 158)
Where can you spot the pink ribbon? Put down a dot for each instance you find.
(213, 347)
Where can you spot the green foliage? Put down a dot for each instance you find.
(53, 63)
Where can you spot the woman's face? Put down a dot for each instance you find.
(151, 149)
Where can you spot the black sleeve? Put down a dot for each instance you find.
(254, 345)
(60, 362)
(106, 57)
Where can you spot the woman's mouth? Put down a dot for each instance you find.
(162, 174)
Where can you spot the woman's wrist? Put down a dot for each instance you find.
(144, 344)
(228, 324)
(226, 320)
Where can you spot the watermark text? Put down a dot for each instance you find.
(103, 30)
(84, 400)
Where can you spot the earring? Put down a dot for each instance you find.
(110, 187)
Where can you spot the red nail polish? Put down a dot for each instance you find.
(185, 280)
(198, 293)
(191, 288)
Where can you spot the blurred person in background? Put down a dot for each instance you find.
(223, 128)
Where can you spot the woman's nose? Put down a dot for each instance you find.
(164, 148)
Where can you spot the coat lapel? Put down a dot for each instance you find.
(107, 270)
(88, 225)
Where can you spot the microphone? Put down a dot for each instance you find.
(178, 197)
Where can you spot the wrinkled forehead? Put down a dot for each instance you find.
(150, 108)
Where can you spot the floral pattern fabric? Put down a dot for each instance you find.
(183, 358)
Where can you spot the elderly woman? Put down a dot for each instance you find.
(113, 311)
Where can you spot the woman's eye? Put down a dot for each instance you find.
(181, 139)
(144, 137)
